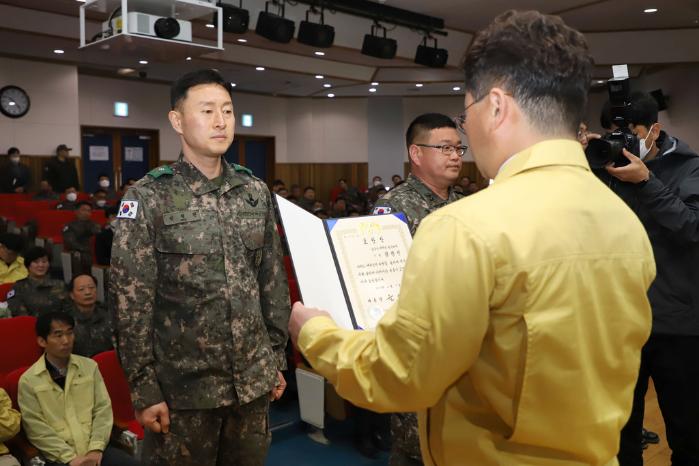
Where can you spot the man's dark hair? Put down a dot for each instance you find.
(12, 241)
(179, 89)
(543, 63)
(102, 175)
(426, 122)
(72, 280)
(278, 183)
(100, 190)
(12, 151)
(644, 109)
(308, 188)
(34, 253)
(43, 322)
(79, 204)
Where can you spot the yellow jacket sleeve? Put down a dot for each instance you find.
(9, 419)
(38, 431)
(102, 418)
(428, 339)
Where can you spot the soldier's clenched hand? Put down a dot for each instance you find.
(155, 418)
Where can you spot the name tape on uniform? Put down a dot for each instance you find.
(128, 209)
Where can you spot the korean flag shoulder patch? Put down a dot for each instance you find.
(128, 209)
(382, 210)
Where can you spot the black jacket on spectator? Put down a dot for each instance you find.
(668, 207)
(103, 245)
(61, 175)
(14, 175)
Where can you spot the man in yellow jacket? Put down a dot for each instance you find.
(12, 267)
(9, 426)
(528, 355)
(66, 411)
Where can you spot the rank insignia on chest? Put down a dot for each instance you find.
(10, 294)
(128, 209)
(252, 201)
(382, 210)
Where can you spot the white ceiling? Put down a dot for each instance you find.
(618, 32)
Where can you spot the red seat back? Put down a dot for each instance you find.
(117, 386)
(51, 223)
(4, 289)
(28, 210)
(18, 346)
(99, 217)
(11, 382)
(8, 204)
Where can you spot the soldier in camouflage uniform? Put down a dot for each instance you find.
(435, 151)
(93, 329)
(38, 293)
(200, 293)
(76, 238)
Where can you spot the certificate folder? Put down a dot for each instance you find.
(351, 267)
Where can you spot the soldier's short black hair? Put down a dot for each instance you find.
(426, 122)
(644, 109)
(34, 253)
(308, 188)
(542, 63)
(178, 91)
(71, 284)
(102, 175)
(82, 203)
(12, 241)
(43, 322)
(12, 151)
(100, 190)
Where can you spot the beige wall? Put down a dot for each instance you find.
(53, 114)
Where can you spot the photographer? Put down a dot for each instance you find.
(662, 187)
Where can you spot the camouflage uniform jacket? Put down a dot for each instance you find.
(31, 297)
(199, 289)
(93, 333)
(77, 234)
(414, 199)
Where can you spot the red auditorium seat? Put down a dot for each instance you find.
(118, 388)
(8, 204)
(51, 223)
(11, 382)
(18, 346)
(28, 210)
(4, 289)
(99, 217)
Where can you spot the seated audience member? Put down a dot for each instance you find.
(309, 198)
(106, 186)
(130, 182)
(277, 185)
(99, 199)
(9, 426)
(396, 180)
(295, 194)
(377, 181)
(338, 189)
(70, 202)
(66, 411)
(14, 175)
(283, 192)
(38, 293)
(339, 208)
(103, 240)
(76, 238)
(93, 324)
(45, 192)
(12, 267)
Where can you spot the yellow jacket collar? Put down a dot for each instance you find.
(545, 153)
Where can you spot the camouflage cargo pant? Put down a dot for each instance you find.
(81, 263)
(405, 450)
(228, 436)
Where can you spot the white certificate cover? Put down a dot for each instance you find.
(351, 267)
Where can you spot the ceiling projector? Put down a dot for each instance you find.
(152, 25)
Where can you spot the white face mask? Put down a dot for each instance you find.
(104, 183)
(101, 203)
(377, 183)
(14, 159)
(72, 197)
(643, 150)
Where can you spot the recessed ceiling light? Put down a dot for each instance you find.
(374, 83)
(418, 85)
(327, 85)
(331, 95)
(319, 53)
(125, 71)
(650, 10)
(456, 88)
(143, 62)
(233, 84)
(188, 58)
(210, 25)
(242, 41)
(372, 89)
(260, 68)
(600, 81)
(320, 76)
(58, 51)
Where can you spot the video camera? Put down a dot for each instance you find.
(607, 149)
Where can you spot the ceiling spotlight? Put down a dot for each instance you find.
(319, 76)
(419, 85)
(58, 51)
(431, 56)
(188, 58)
(243, 41)
(600, 81)
(235, 19)
(456, 88)
(372, 89)
(650, 10)
(379, 47)
(209, 25)
(331, 95)
(233, 84)
(143, 62)
(275, 27)
(374, 83)
(316, 34)
(327, 85)
(260, 68)
(319, 53)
